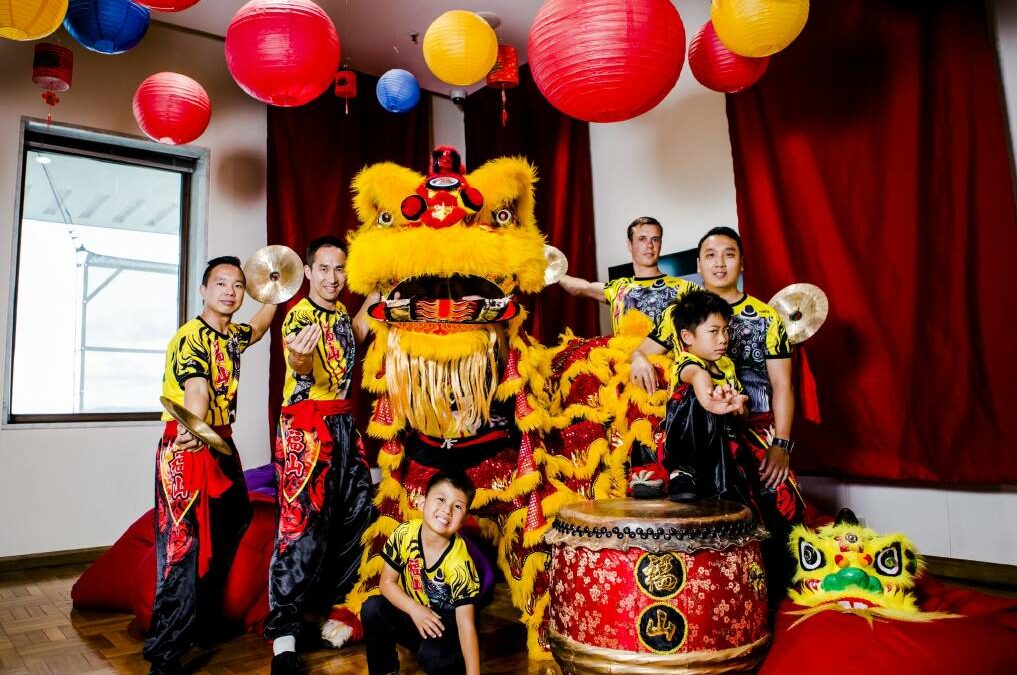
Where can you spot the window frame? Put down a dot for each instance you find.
(191, 162)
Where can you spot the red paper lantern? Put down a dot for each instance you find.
(505, 74)
(52, 67)
(172, 108)
(606, 60)
(346, 86)
(282, 52)
(167, 5)
(718, 68)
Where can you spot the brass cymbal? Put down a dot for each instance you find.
(198, 428)
(557, 265)
(803, 307)
(274, 274)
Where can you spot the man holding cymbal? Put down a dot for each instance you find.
(324, 483)
(201, 503)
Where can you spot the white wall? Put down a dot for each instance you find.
(448, 126)
(73, 487)
(672, 163)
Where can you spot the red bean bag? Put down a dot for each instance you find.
(123, 578)
(982, 640)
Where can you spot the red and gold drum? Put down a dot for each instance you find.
(656, 587)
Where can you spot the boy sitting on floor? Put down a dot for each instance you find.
(428, 588)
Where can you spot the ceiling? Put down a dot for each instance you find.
(375, 34)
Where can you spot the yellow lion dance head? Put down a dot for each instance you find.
(850, 568)
(448, 252)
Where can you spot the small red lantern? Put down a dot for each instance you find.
(52, 67)
(346, 86)
(172, 108)
(282, 52)
(606, 60)
(504, 75)
(167, 5)
(718, 68)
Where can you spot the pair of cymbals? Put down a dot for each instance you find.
(274, 274)
(194, 424)
(803, 307)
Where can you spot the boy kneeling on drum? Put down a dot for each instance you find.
(428, 588)
(708, 451)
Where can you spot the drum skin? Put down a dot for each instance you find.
(657, 587)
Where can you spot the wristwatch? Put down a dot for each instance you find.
(787, 444)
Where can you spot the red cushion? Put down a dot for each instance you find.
(108, 582)
(982, 641)
(123, 578)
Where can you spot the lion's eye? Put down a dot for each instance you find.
(503, 216)
(888, 561)
(809, 557)
(385, 218)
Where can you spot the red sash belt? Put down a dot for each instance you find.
(310, 415)
(201, 474)
(306, 440)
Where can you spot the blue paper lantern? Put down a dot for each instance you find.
(106, 26)
(398, 91)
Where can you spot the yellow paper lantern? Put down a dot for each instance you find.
(758, 28)
(460, 48)
(30, 19)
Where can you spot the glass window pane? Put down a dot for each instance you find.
(97, 284)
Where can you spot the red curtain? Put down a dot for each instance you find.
(559, 146)
(873, 160)
(314, 152)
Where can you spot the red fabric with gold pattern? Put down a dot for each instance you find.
(703, 601)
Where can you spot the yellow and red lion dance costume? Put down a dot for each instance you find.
(458, 382)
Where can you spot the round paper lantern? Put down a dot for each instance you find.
(30, 19)
(460, 47)
(718, 68)
(107, 26)
(606, 60)
(282, 52)
(172, 108)
(398, 91)
(758, 28)
(167, 5)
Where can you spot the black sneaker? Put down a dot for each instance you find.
(681, 487)
(287, 663)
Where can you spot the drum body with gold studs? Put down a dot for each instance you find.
(656, 587)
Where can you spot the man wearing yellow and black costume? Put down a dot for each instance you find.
(202, 508)
(649, 290)
(324, 484)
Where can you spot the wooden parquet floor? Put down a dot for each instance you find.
(41, 633)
